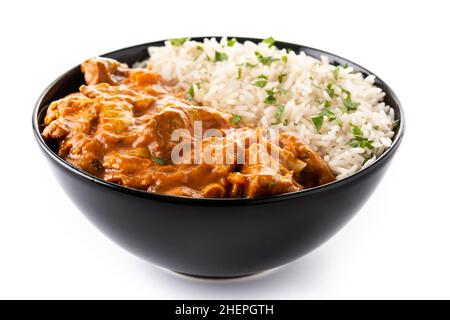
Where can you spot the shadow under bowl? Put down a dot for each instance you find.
(214, 237)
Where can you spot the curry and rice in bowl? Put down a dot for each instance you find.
(221, 119)
(218, 158)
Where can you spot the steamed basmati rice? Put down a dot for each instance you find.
(336, 111)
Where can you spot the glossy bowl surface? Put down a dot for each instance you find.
(214, 237)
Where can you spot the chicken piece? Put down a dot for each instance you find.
(129, 167)
(72, 114)
(208, 180)
(143, 79)
(141, 102)
(84, 152)
(265, 176)
(183, 191)
(104, 70)
(172, 117)
(266, 169)
(234, 143)
(317, 171)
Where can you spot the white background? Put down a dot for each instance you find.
(396, 247)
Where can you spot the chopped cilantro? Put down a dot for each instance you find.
(265, 60)
(327, 103)
(239, 75)
(236, 119)
(349, 104)
(199, 47)
(270, 99)
(260, 83)
(220, 56)
(330, 90)
(159, 161)
(189, 95)
(356, 130)
(395, 124)
(231, 42)
(284, 59)
(328, 113)
(345, 91)
(178, 42)
(279, 113)
(250, 65)
(336, 72)
(318, 122)
(262, 76)
(362, 143)
(359, 140)
(281, 77)
(269, 41)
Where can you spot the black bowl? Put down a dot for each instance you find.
(214, 237)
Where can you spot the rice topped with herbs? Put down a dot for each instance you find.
(336, 111)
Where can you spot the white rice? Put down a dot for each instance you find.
(302, 91)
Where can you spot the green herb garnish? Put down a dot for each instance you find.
(265, 60)
(395, 124)
(330, 90)
(260, 83)
(250, 65)
(281, 77)
(284, 59)
(189, 95)
(178, 42)
(199, 47)
(356, 130)
(159, 161)
(220, 56)
(231, 42)
(236, 119)
(269, 41)
(270, 99)
(318, 122)
(359, 140)
(239, 75)
(348, 103)
(336, 72)
(328, 113)
(279, 113)
(327, 103)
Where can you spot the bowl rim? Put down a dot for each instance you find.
(39, 106)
